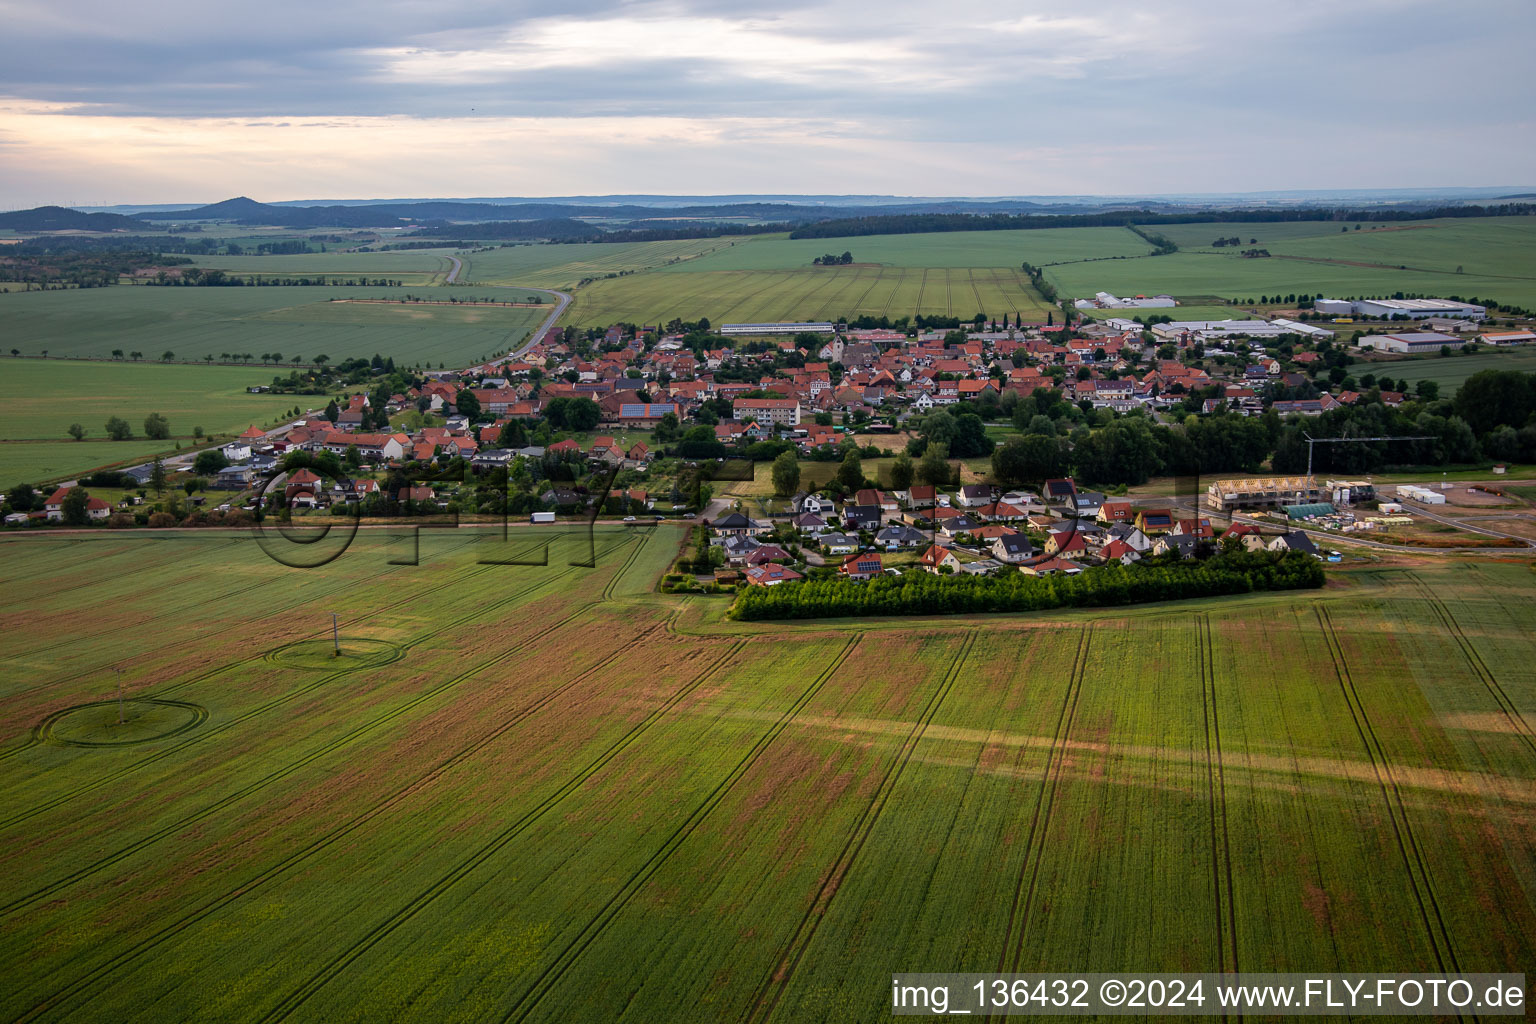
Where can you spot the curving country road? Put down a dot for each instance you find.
(562, 300)
(453, 275)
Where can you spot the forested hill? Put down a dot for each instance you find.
(905, 224)
(59, 218)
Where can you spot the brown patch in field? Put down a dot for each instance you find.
(1460, 783)
(1484, 721)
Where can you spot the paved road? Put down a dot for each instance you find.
(562, 300)
(453, 275)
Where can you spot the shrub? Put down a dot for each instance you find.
(160, 520)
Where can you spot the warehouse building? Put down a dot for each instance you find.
(1422, 495)
(1104, 300)
(1215, 330)
(777, 328)
(1262, 492)
(1386, 309)
(1414, 343)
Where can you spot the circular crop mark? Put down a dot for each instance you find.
(321, 654)
(142, 721)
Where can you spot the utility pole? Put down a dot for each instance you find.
(335, 637)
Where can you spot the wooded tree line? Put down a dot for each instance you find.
(912, 223)
(1491, 418)
(921, 593)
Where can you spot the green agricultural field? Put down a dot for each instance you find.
(1450, 371)
(1194, 276)
(1490, 257)
(812, 293)
(412, 266)
(564, 265)
(35, 462)
(296, 321)
(945, 249)
(46, 396)
(543, 792)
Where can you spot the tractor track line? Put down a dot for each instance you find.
(99, 634)
(303, 762)
(922, 286)
(1407, 843)
(1018, 908)
(194, 639)
(1080, 670)
(1216, 781)
(637, 545)
(771, 281)
(767, 997)
(96, 580)
(325, 679)
(595, 926)
(858, 304)
(339, 963)
(1479, 666)
(299, 856)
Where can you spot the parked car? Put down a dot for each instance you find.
(629, 519)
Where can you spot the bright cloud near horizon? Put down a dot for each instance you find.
(182, 101)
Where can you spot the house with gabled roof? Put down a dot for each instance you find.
(770, 574)
(1116, 512)
(893, 538)
(975, 495)
(862, 565)
(1154, 520)
(839, 543)
(1012, 549)
(937, 558)
(922, 496)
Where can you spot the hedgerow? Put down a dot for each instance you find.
(920, 593)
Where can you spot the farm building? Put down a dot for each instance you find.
(1262, 492)
(776, 328)
(1412, 343)
(1508, 338)
(1104, 300)
(1417, 309)
(1215, 330)
(1422, 495)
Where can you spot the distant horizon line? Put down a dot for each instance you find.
(865, 198)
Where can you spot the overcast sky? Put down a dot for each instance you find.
(195, 100)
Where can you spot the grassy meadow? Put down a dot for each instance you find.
(296, 321)
(546, 793)
(810, 293)
(944, 249)
(562, 265)
(411, 266)
(48, 395)
(1450, 372)
(1488, 257)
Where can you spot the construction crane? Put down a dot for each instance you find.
(1340, 440)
